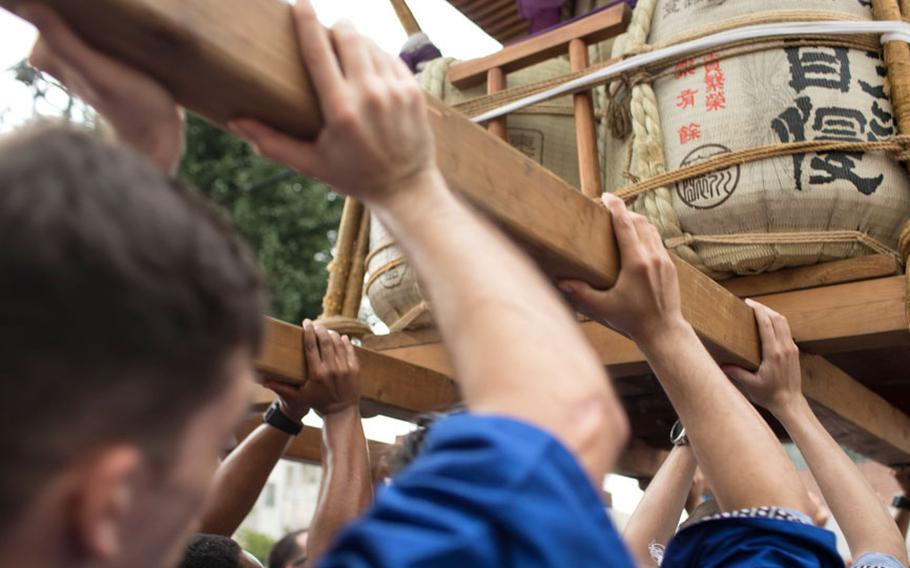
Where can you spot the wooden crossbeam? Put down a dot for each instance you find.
(306, 447)
(591, 29)
(844, 317)
(230, 58)
(857, 417)
(395, 387)
(637, 460)
(814, 276)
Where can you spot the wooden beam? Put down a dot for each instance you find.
(640, 460)
(824, 274)
(857, 417)
(220, 58)
(846, 317)
(306, 447)
(398, 388)
(592, 29)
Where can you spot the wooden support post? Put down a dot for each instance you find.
(354, 293)
(406, 17)
(496, 81)
(350, 251)
(585, 127)
(340, 267)
(897, 61)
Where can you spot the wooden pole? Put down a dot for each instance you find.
(496, 81)
(340, 268)
(897, 60)
(585, 127)
(349, 246)
(354, 291)
(406, 17)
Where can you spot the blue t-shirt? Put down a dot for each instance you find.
(485, 491)
(753, 543)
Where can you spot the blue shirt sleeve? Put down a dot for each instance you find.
(749, 542)
(485, 491)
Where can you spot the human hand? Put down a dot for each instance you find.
(644, 302)
(376, 141)
(777, 384)
(333, 376)
(142, 113)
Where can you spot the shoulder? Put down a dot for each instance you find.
(765, 536)
(492, 490)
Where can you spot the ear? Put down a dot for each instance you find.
(103, 499)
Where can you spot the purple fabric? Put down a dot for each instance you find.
(424, 53)
(529, 8)
(543, 14)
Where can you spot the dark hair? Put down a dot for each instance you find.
(211, 551)
(121, 299)
(406, 450)
(285, 550)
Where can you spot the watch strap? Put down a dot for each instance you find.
(901, 502)
(277, 419)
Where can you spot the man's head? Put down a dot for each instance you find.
(290, 551)
(130, 316)
(216, 551)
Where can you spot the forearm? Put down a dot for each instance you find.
(346, 489)
(866, 523)
(240, 480)
(516, 349)
(902, 519)
(746, 466)
(657, 515)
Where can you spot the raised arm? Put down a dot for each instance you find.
(516, 349)
(902, 516)
(645, 304)
(142, 113)
(655, 519)
(866, 523)
(333, 390)
(241, 477)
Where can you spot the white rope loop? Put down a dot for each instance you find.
(889, 30)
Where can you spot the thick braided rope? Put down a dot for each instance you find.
(648, 158)
(898, 145)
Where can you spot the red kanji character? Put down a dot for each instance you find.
(684, 69)
(686, 98)
(689, 132)
(715, 82)
(716, 101)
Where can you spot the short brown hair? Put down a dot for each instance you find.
(121, 298)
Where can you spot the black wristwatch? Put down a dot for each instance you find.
(901, 502)
(678, 435)
(275, 418)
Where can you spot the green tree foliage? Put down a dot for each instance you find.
(289, 221)
(257, 544)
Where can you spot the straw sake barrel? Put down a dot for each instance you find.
(781, 211)
(544, 133)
